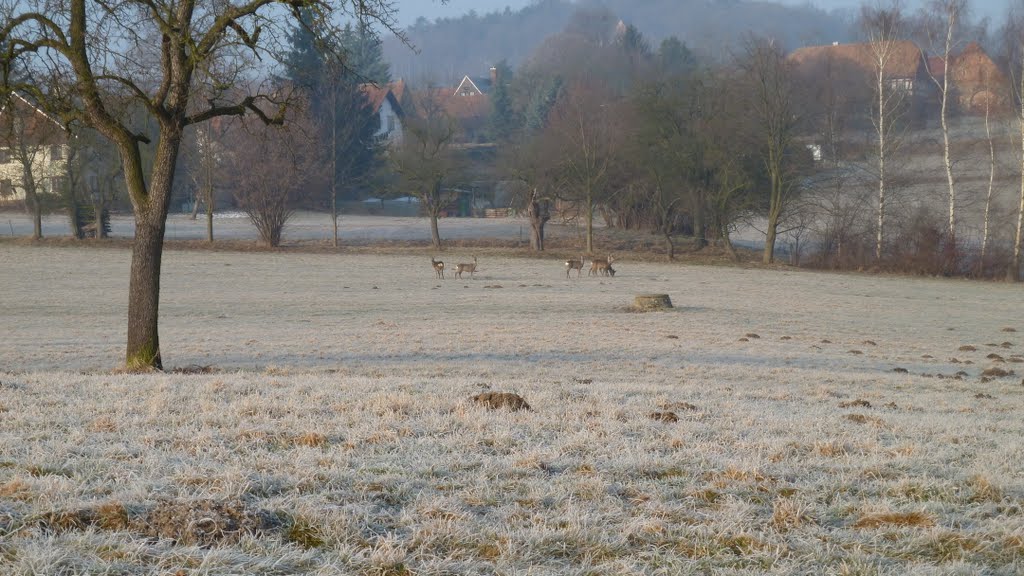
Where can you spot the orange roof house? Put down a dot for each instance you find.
(977, 81)
(905, 69)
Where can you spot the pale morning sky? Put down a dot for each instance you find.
(410, 10)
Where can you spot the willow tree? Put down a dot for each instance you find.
(83, 57)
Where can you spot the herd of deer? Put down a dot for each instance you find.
(598, 266)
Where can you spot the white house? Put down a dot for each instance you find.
(386, 102)
(29, 136)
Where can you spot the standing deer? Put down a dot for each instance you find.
(600, 265)
(438, 267)
(576, 265)
(460, 268)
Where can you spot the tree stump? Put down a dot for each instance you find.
(652, 301)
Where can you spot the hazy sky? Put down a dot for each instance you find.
(410, 10)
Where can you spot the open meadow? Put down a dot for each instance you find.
(773, 422)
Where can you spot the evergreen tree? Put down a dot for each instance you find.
(675, 58)
(504, 121)
(365, 54)
(541, 102)
(304, 62)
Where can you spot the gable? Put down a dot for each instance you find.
(36, 126)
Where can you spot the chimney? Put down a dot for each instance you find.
(494, 75)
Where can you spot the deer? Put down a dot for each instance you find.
(576, 265)
(460, 268)
(438, 267)
(600, 265)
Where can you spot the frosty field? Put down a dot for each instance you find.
(821, 425)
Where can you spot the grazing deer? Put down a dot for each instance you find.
(438, 267)
(576, 265)
(460, 268)
(600, 265)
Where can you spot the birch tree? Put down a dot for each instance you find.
(883, 27)
(150, 50)
(1013, 39)
(941, 22)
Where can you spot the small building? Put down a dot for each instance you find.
(977, 82)
(906, 68)
(386, 102)
(30, 139)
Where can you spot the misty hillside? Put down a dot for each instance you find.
(451, 47)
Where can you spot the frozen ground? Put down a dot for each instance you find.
(340, 417)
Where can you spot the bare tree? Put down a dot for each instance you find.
(883, 27)
(941, 22)
(150, 51)
(531, 163)
(270, 166)
(426, 160)
(773, 101)
(586, 125)
(1013, 39)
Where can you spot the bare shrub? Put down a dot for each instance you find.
(271, 166)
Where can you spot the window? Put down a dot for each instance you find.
(56, 184)
(6, 188)
(902, 85)
(56, 152)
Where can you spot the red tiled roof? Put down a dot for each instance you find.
(904, 62)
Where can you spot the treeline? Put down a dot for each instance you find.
(448, 48)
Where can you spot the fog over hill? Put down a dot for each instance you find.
(450, 47)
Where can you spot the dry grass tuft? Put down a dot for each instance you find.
(103, 424)
(831, 449)
(967, 348)
(16, 489)
(681, 406)
(311, 440)
(858, 403)
(497, 400)
(788, 513)
(667, 417)
(862, 419)
(983, 490)
(899, 519)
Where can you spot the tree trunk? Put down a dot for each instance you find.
(727, 242)
(881, 160)
(539, 215)
(1013, 271)
(699, 236)
(37, 219)
(151, 207)
(671, 245)
(144, 292)
(209, 217)
(991, 181)
(334, 215)
(774, 212)
(590, 222)
(435, 236)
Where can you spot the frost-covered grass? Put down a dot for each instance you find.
(338, 436)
